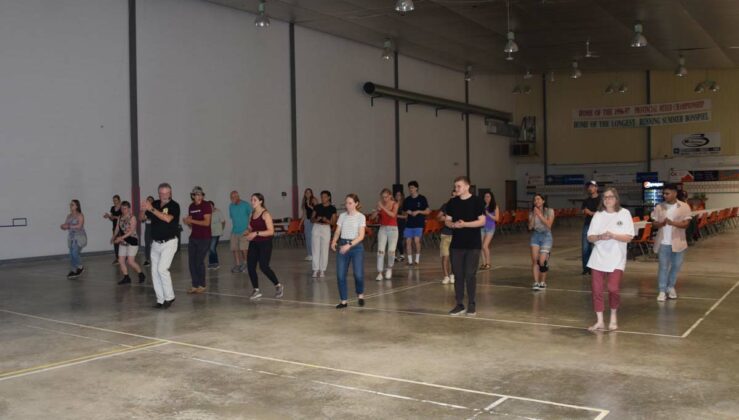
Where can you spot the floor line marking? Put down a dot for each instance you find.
(708, 312)
(398, 290)
(77, 335)
(163, 341)
(496, 403)
(588, 291)
(78, 360)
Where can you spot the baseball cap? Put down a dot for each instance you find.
(591, 182)
(197, 190)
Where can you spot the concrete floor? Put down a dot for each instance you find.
(88, 348)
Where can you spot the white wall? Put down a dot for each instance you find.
(63, 119)
(432, 148)
(214, 103)
(344, 144)
(214, 111)
(490, 161)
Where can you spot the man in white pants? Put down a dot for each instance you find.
(164, 215)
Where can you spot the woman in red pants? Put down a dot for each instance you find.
(610, 231)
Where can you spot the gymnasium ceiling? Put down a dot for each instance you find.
(550, 33)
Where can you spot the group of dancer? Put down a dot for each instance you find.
(468, 227)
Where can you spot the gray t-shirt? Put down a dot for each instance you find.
(539, 226)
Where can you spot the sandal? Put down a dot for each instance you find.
(596, 327)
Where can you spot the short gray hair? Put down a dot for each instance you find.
(164, 185)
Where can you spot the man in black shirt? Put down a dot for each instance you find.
(465, 215)
(589, 207)
(164, 215)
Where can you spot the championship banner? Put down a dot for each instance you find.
(684, 107)
(640, 122)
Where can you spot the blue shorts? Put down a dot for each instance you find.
(412, 232)
(486, 231)
(543, 240)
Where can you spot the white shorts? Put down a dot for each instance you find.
(128, 250)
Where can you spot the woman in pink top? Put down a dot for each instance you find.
(387, 235)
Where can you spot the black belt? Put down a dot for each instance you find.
(163, 240)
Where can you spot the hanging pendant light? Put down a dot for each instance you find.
(623, 88)
(610, 89)
(510, 45)
(404, 6)
(639, 40)
(262, 20)
(700, 87)
(575, 73)
(681, 70)
(387, 49)
(468, 74)
(714, 87)
(509, 57)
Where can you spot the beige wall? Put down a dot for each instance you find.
(567, 145)
(725, 112)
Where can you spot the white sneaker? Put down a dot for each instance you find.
(379, 277)
(535, 286)
(315, 274)
(451, 278)
(671, 293)
(321, 274)
(661, 297)
(309, 258)
(256, 294)
(388, 274)
(446, 280)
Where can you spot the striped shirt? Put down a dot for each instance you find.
(350, 225)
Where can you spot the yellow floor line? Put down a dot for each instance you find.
(89, 357)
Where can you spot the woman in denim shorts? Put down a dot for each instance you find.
(541, 220)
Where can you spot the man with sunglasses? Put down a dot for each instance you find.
(671, 217)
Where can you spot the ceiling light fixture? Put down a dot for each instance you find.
(575, 73)
(262, 20)
(623, 88)
(681, 69)
(711, 85)
(387, 49)
(639, 40)
(404, 6)
(610, 89)
(509, 57)
(510, 45)
(468, 74)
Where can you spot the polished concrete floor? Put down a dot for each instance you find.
(88, 348)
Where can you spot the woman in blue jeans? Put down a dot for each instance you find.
(74, 224)
(347, 242)
(541, 220)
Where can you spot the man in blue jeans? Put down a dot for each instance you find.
(589, 207)
(671, 217)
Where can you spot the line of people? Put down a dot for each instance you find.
(469, 225)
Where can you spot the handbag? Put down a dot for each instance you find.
(132, 241)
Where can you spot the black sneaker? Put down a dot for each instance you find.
(125, 280)
(168, 303)
(342, 305)
(542, 286)
(458, 310)
(142, 277)
(147, 263)
(79, 271)
(72, 274)
(115, 261)
(360, 301)
(471, 310)
(158, 306)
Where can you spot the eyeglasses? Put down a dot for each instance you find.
(609, 196)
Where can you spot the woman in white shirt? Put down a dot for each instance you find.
(348, 238)
(610, 231)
